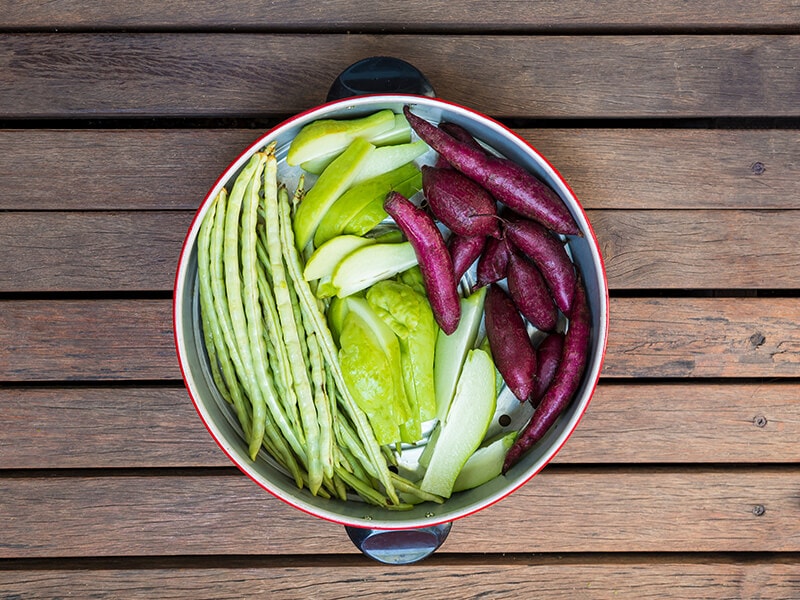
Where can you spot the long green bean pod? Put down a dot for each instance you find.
(212, 333)
(228, 350)
(405, 486)
(263, 389)
(291, 335)
(324, 417)
(370, 494)
(255, 328)
(309, 304)
(350, 442)
(277, 354)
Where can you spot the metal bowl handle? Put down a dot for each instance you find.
(401, 546)
(389, 75)
(380, 75)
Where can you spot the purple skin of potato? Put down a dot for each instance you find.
(493, 263)
(464, 250)
(503, 179)
(434, 258)
(530, 294)
(566, 380)
(460, 203)
(548, 253)
(513, 353)
(548, 355)
(461, 134)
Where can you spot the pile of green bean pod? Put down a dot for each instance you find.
(271, 354)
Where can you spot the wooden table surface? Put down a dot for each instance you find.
(676, 123)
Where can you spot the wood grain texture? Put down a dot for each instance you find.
(118, 427)
(683, 169)
(703, 337)
(127, 251)
(688, 423)
(566, 510)
(98, 251)
(441, 576)
(94, 340)
(686, 249)
(433, 15)
(83, 75)
(157, 427)
(606, 168)
(43, 340)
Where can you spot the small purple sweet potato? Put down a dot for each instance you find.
(433, 257)
(548, 253)
(530, 293)
(548, 355)
(464, 250)
(493, 263)
(460, 203)
(511, 346)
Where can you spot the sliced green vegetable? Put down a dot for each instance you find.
(399, 134)
(485, 464)
(452, 349)
(373, 213)
(333, 182)
(327, 256)
(409, 316)
(360, 195)
(370, 366)
(389, 158)
(368, 265)
(328, 137)
(466, 424)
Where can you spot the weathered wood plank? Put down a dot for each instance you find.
(433, 15)
(98, 251)
(85, 75)
(642, 249)
(675, 168)
(701, 249)
(44, 340)
(565, 510)
(151, 427)
(703, 337)
(681, 577)
(688, 423)
(607, 168)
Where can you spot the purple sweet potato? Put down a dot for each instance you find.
(512, 350)
(530, 293)
(566, 380)
(460, 203)
(433, 257)
(493, 263)
(464, 251)
(461, 134)
(505, 180)
(548, 253)
(548, 355)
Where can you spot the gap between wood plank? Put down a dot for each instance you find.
(234, 562)
(202, 122)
